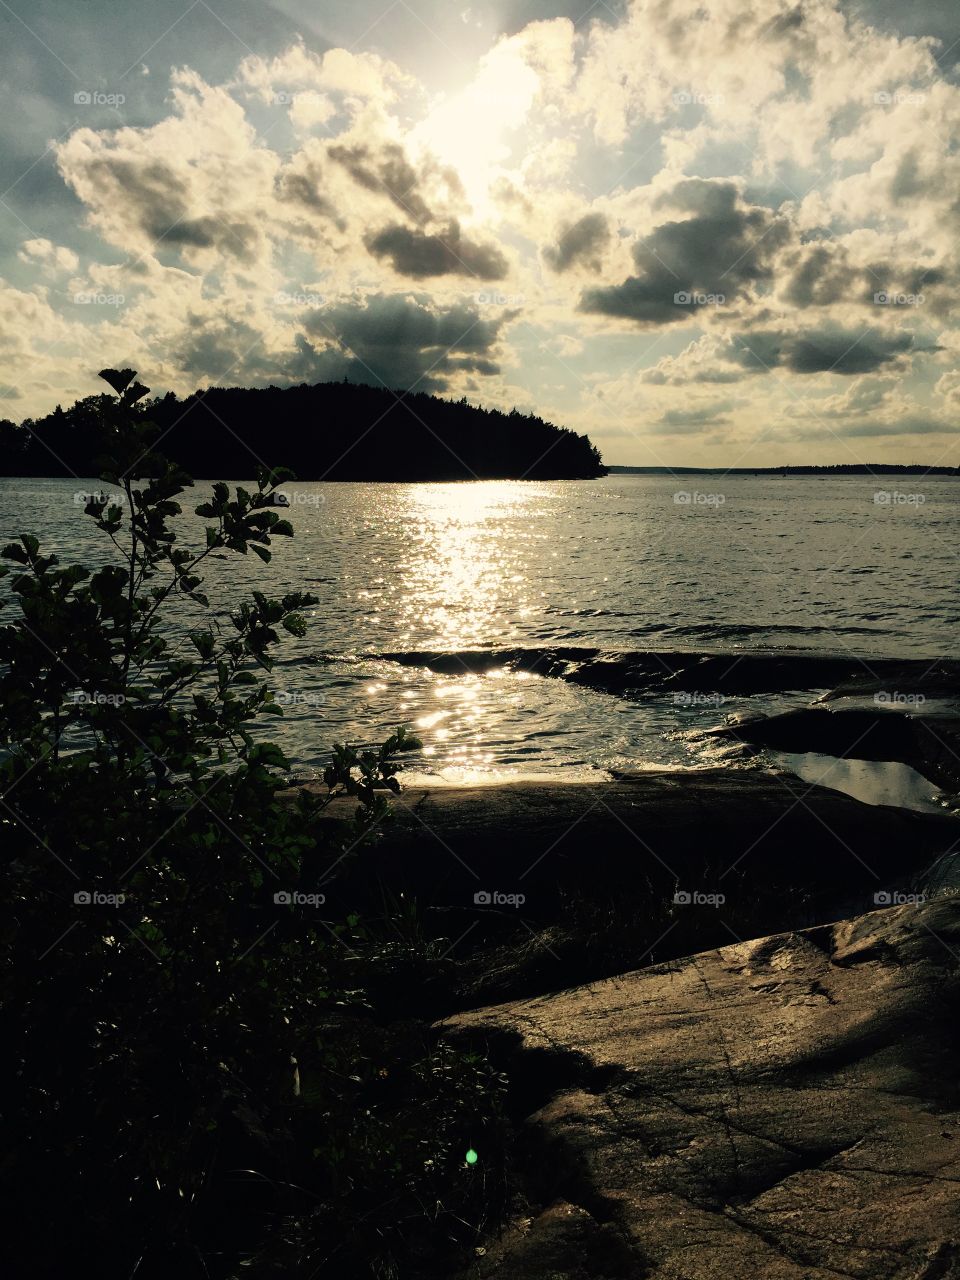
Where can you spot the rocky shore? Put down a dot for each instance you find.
(785, 1108)
(698, 1085)
(726, 999)
(540, 885)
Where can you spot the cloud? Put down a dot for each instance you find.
(839, 351)
(338, 72)
(948, 389)
(724, 247)
(705, 360)
(400, 341)
(385, 171)
(42, 252)
(302, 184)
(420, 255)
(198, 181)
(691, 421)
(579, 243)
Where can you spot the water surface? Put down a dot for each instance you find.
(849, 565)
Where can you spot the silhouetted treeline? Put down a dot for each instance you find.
(331, 431)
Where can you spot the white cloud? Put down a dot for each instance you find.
(45, 253)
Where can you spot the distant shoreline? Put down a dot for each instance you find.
(853, 469)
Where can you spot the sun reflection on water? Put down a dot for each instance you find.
(464, 567)
(466, 561)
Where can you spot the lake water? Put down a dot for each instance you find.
(851, 565)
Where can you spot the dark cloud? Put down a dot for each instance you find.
(820, 275)
(711, 373)
(840, 351)
(831, 350)
(304, 188)
(240, 239)
(158, 199)
(902, 427)
(155, 193)
(399, 341)
(386, 171)
(420, 254)
(580, 243)
(396, 340)
(909, 181)
(723, 247)
(689, 421)
(227, 353)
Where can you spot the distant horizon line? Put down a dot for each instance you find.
(842, 468)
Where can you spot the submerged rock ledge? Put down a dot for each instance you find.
(733, 672)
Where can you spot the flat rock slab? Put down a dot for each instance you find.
(783, 1108)
(738, 832)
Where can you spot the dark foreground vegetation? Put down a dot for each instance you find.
(332, 431)
(199, 1077)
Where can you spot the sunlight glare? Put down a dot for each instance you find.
(467, 129)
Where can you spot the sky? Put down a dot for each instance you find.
(706, 232)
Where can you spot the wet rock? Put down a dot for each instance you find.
(641, 671)
(930, 744)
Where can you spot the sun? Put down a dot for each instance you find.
(467, 129)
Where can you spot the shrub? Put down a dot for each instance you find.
(195, 1074)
